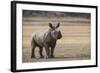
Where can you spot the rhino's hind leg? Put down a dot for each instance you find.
(33, 53)
(33, 45)
(41, 52)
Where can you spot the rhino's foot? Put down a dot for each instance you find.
(41, 56)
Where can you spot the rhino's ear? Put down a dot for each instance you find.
(50, 25)
(58, 25)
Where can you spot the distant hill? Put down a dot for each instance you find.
(50, 14)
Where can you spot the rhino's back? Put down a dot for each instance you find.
(39, 37)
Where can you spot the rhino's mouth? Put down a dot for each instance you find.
(59, 37)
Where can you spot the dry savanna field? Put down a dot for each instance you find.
(74, 44)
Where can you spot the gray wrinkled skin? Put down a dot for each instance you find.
(46, 39)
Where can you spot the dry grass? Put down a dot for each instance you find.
(74, 45)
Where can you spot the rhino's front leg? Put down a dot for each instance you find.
(52, 52)
(47, 50)
(52, 49)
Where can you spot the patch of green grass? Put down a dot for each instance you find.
(83, 56)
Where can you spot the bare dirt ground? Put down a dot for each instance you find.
(74, 45)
